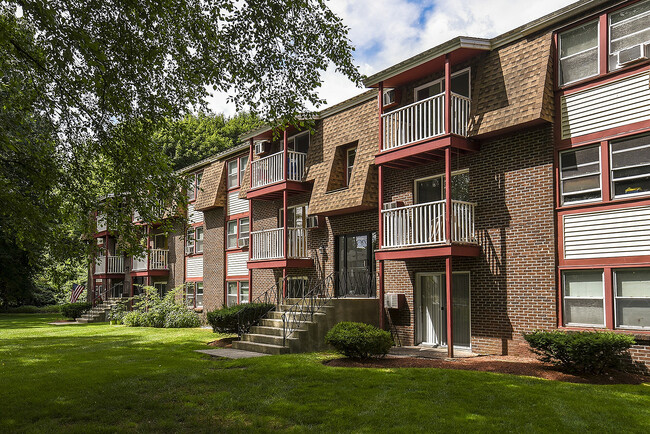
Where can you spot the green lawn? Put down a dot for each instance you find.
(90, 378)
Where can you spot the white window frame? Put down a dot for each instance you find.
(616, 297)
(241, 169)
(559, 50)
(349, 168)
(158, 287)
(236, 173)
(228, 234)
(600, 177)
(237, 284)
(564, 298)
(293, 139)
(611, 169)
(427, 178)
(440, 80)
(190, 241)
(196, 239)
(280, 211)
(616, 67)
(239, 231)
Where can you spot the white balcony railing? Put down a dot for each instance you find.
(140, 262)
(424, 120)
(268, 244)
(109, 265)
(423, 224)
(269, 170)
(159, 259)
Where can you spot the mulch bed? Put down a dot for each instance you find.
(501, 364)
(223, 343)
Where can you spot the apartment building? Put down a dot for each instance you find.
(478, 190)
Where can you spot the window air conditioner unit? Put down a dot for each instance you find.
(261, 148)
(392, 205)
(242, 242)
(634, 54)
(392, 300)
(313, 222)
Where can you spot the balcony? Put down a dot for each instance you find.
(416, 126)
(157, 259)
(109, 265)
(424, 226)
(267, 248)
(268, 174)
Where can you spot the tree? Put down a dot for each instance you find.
(86, 84)
(196, 137)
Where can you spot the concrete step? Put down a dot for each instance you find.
(273, 331)
(259, 347)
(265, 339)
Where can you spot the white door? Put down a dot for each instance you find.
(431, 312)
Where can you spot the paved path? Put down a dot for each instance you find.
(231, 353)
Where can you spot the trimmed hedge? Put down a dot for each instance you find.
(52, 308)
(225, 320)
(359, 341)
(75, 310)
(586, 352)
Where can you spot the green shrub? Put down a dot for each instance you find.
(53, 308)
(151, 310)
(586, 352)
(225, 320)
(118, 312)
(75, 310)
(358, 340)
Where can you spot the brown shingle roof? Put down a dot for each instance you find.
(212, 193)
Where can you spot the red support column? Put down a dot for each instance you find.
(604, 169)
(447, 94)
(250, 226)
(449, 308)
(381, 294)
(381, 112)
(609, 298)
(285, 231)
(448, 210)
(285, 156)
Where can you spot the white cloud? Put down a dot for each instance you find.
(386, 32)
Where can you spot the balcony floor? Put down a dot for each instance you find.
(424, 151)
(281, 263)
(428, 251)
(142, 273)
(274, 191)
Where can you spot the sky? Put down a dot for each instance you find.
(385, 32)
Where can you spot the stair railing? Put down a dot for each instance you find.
(318, 295)
(273, 296)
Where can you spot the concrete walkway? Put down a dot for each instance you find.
(428, 352)
(231, 353)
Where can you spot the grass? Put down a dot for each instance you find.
(102, 378)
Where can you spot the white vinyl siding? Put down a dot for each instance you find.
(194, 216)
(605, 234)
(610, 105)
(236, 263)
(194, 267)
(235, 204)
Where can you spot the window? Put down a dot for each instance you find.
(578, 53)
(459, 85)
(628, 27)
(583, 298)
(580, 175)
(193, 294)
(632, 298)
(195, 182)
(296, 216)
(351, 155)
(161, 288)
(198, 242)
(243, 228)
(433, 189)
(233, 171)
(189, 242)
(243, 162)
(160, 241)
(630, 166)
(297, 286)
(238, 293)
(299, 142)
(231, 237)
(198, 294)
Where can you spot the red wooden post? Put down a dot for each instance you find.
(609, 298)
(285, 232)
(286, 156)
(381, 112)
(381, 205)
(447, 94)
(450, 323)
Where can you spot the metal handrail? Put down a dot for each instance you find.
(309, 304)
(273, 296)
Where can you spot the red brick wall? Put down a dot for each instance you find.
(513, 279)
(213, 259)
